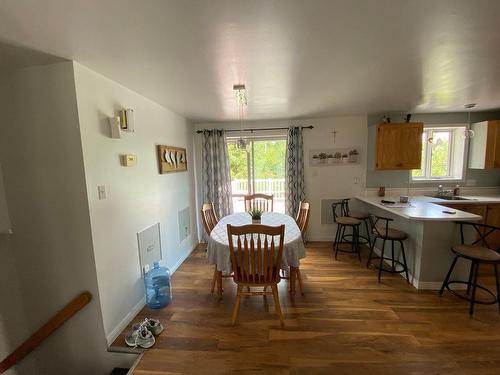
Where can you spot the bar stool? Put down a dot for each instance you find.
(343, 222)
(478, 252)
(363, 217)
(387, 234)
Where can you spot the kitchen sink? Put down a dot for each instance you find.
(450, 197)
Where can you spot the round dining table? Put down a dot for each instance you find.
(218, 242)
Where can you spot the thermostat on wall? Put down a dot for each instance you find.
(129, 160)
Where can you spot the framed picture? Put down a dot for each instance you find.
(334, 157)
(172, 159)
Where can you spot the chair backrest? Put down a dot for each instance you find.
(256, 252)
(208, 217)
(484, 234)
(340, 208)
(303, 217)
(259, 201)
(379, 230)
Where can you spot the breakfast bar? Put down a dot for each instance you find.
(431, 229)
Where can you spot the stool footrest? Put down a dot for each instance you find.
(491, 301)
(396, 263)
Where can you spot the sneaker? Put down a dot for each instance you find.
(154, 326)
(140, 336)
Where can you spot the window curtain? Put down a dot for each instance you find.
(294, 170)
(216, 178)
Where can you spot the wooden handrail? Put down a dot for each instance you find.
(45, 331)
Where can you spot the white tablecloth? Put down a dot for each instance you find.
(218, 243)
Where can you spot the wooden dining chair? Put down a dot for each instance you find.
(259, 201)
(256, 253)
(302, 221)
(209, 222)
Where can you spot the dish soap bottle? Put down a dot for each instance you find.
(158, 287)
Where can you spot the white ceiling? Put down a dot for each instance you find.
(297, 58)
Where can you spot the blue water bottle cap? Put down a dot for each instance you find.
(156, 264)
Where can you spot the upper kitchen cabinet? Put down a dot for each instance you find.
(484, 151)
(399, 146)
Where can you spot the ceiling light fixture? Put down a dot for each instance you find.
(469, 133)
(241, 99)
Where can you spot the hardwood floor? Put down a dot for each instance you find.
(346, 323)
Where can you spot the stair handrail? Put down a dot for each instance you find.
(45, 331)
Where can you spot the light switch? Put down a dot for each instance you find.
(129, 160)
(101, 190)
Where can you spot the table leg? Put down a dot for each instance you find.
(219, 283)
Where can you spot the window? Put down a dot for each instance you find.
(258, 169)
(443, 154)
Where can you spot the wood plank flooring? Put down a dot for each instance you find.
(346, 323)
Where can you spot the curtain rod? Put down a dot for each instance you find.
(254, 129)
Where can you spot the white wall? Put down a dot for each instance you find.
(4, 211)
(41, 156)
(137, 197)
(320, 182)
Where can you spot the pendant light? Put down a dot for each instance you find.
(469, 133)
(241, 99)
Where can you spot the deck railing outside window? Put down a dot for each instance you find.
(275, 186)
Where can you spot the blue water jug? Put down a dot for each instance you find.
(158, 288)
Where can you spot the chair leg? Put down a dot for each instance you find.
(447, 278)
(371, 252)
(219, 281)
(340, 229)
(334, 244)
(236, 308)
(358, 249)
(471, 273)
(214, 280)
(392, 252)
(404, 261)
(381, 260)
(299, 278)
(277, 304)
(368, 233)
(473, 297)
(498, 286)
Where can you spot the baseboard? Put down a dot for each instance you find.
(139, 306)
(125, 321)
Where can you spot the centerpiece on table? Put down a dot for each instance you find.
(256, 215)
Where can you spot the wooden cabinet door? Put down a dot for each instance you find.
(387, 146)
(399, 146)
(493, 218)
(492, 158)
(411, 146)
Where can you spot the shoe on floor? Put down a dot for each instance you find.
(153, 325)
(140, 337)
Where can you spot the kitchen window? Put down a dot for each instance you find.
(443, 154)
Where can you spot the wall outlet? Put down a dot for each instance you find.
(146, 268)
(356, 180)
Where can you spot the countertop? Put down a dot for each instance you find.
(429, 208)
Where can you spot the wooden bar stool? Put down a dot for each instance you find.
(387, 234)
(363, 217)
(478, 252)
(343, 221)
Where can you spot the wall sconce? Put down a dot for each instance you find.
(124, 122)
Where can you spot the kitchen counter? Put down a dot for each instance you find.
(429, 208)
(431, 233)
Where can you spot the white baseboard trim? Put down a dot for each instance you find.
(125, 321)
(138, 307)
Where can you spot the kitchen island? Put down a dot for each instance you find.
(431, 227)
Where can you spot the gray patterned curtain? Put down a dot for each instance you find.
(294, 170)
(216, 178)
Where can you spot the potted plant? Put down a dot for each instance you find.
(353, 156)
(315, 159)
(337, 156)
(256, 215)
(323, 157)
